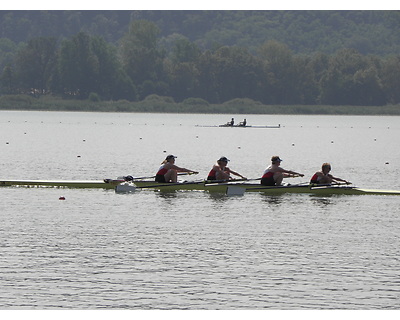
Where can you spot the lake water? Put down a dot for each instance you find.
(194, 250)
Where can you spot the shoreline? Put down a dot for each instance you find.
(158, 104)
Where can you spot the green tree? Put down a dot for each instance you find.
(185, 51)
(351, 80)
(140, 55)
(182, 79)
(111, 81)
(78, 66)
(35, 63)
(207, 77)
(228, 73)
(279, 71)
(8, 81)
(90, 65)
(181, 70)
(390, 75)
(8, 50)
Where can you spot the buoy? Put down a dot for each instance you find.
(61, 198)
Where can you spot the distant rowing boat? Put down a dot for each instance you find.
(214, 187)
(241, 126)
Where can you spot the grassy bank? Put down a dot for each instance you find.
(156, 103)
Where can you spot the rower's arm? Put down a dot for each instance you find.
(237, 174)
(294, 173)
(342, 180)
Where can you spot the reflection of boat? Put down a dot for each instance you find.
(242, 126)
(214, 187)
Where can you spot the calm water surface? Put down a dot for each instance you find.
(194, 250)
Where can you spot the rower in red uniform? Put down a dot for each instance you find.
(168, 171)
(274, 174)
(324, 177)
(220, 171)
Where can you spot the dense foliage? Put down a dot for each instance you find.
(274, 57)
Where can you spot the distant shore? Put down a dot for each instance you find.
(160, 104)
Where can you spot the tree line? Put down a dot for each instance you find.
(304, 31)
(84, 66)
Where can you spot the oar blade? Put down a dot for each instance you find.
(125, 188)
(235, 190)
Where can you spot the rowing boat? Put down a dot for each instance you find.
(215, 187)
(241, 126)
(222, 187)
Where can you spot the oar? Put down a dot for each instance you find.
(131, 178)
(330, 185)
(225, 181)
(292, 176)
(131, 187)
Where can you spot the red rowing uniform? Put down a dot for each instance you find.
(212, 175)
(317, 178)
(268, 174)
(162, 171)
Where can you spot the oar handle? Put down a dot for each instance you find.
(341, 183)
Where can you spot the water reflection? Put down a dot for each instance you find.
(167, 195)
(322, 201)
(218, 197)
(273, 200)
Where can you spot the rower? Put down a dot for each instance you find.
(274, 174)
(324, 177)
(168, 171)
(243, 124)
(220, 171)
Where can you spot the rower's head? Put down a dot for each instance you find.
(276, 160)
(223, 160)
(326, 167)
(169, 158)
